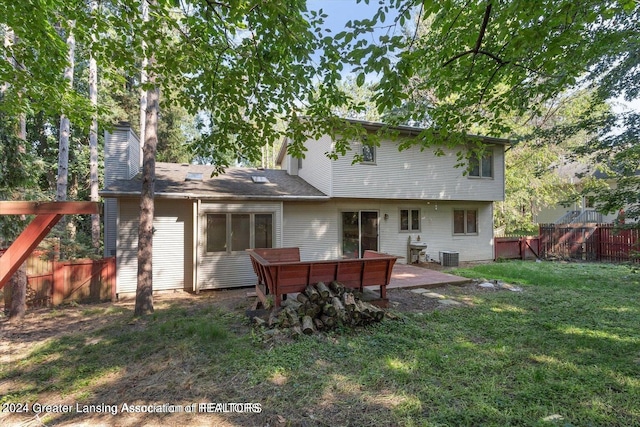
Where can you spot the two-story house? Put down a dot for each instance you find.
(330, 209)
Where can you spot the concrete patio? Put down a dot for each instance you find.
(410, 276)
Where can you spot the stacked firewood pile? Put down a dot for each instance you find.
(321, 307)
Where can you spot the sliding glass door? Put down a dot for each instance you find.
(359, 233)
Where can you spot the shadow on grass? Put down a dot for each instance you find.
(511, 359)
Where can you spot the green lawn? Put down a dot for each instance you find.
(564, 351)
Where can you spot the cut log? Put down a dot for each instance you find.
(329, 309)
(312, 293)
(307, 325)
(363, 309)
(294, 320)
(318, 324)
(294, 304)
(283, 319)
(375, 312)
(328, 321)
(349, 301)
(337, 288)
(273, 319)
(323, 290)
(337, 304)
(316, 309)
(302, 298)
(296, 331)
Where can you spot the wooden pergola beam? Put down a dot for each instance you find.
(26, 242)
(36, 208)
(47, 216)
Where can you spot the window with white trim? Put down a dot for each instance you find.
(234, 232)
(409, 219)
(368, 154)
(465, 221)
(481, 167)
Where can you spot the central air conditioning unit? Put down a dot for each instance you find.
(449, 258)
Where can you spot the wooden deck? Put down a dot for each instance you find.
(411, 276)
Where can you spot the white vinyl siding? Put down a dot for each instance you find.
(316, 169)
(217, 270)
(121, 154)
(312, 227)
(110, 217)
(414, 174)
(315, 228)
(172, 240)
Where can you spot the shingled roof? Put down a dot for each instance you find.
(235, 183)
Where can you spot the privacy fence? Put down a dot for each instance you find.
(586, 242)
(52, 282)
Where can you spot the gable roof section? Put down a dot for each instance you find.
(235, 183)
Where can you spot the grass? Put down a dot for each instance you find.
(565, 351)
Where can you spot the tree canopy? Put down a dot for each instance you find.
(464, 67)
(456, 66)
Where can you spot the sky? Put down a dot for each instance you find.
(341, 11)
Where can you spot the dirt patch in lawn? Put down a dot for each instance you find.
(158, 378)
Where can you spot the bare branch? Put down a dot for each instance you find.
(483, 28)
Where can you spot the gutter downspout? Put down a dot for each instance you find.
(281, 219)
(196, 243)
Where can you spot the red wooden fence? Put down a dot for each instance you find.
(517, 247)
(601, 242)
(52, 282)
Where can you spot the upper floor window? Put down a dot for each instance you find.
(481, 168)
(465, 221)
(368, 153)
(589, 202)
(227, 232)
(409, 219)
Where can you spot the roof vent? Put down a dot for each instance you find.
(259, 179)
(194, 176)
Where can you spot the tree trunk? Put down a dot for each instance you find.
(63, 152)
(93, 143)
(18, 284)
(144, 291)
(144, 11)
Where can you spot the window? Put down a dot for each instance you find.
(368, 154)
(229, 232)
(217, 233)
(465, 221)
(589, 202)
(409, 219)
(481, 168)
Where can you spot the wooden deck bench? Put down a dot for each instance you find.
(281, 272)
